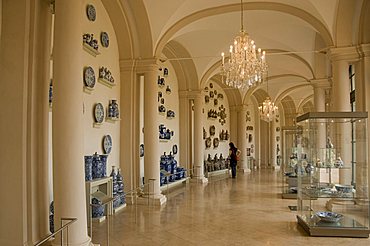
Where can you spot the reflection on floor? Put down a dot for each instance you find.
(247, 210)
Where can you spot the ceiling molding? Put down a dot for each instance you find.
(184, 69)
(299, 58)
(285, 93)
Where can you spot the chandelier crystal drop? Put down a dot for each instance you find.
(268, 110)
(246, 65)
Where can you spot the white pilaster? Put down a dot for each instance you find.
(242, 138)
(130, 104)
(234, 124)
(365, 49)
(68, 128)
(198, 139)
(319, 87)
(341, 57)
(151, 132)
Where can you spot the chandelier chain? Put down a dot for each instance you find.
(246, 65)
(241, 16)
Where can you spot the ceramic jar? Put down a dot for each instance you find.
(88, 167)
(98, 209)
(97, 170)
(103, 166)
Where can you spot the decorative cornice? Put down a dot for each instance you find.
(365, 50)
(350, 54)
(239, 108)
(127, 65)
(140, 65)
(190, 94)
(321, 83)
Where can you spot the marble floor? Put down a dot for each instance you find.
(247, 210)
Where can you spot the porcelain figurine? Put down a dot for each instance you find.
(338, 162)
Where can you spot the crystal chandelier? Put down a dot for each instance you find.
(246, 66)
(268, 110)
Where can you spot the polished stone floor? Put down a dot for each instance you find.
(247, 210)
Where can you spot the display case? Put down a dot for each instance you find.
(333, 194)
(289, 161)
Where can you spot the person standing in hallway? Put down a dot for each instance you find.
(233, 158)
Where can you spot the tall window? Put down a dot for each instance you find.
(351, 74)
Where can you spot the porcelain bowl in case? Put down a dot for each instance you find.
(329, 217)
(344, 188)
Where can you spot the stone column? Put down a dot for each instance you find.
(198, 139)
(129, 127)
(151, 131)
(242, 138)
(319, 87)
(185, 130)
(234, 124)
(340, 58)
(68, 128)
(273, 142)
(365, 49)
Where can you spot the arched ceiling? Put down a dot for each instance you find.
(295, 34)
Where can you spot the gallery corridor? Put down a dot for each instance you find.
(247, 210)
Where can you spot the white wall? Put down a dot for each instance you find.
(207, 122)
(251, 122)
(109, 58)
(171, 102)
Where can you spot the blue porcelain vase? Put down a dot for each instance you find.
(98, 209)
(88, 167)
(96, 166)
(103, 166)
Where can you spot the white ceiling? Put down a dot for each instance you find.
(286, 29)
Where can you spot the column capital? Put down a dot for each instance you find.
(127, 65)
(349, 54)
(141, 65)
(324, 83)
(365, 50)
(190, 94)
(239, 108)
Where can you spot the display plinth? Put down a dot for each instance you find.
(102, 189)
(88, 90)
(99, 219)
(97, 125)
(289, 161)
(90, 50)
(119, 208)
(112, 119)
(218, 172)
(325, 229)
(174, 184)
(106, 82)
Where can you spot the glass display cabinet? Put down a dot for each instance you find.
(333, 194)
(289, 161)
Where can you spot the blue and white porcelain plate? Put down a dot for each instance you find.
(104, 38)
(91, 12)
(107, 144)
(89, 77)
(99, 113)
(174, 149)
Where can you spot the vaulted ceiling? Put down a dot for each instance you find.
(296, 35)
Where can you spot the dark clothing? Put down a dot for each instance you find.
(233, 161)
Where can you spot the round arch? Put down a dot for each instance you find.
(287, 9)
(185, 69)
